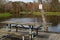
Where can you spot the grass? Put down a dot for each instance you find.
(53, 13)
(25, 13)
(47, 13)
(5, 15)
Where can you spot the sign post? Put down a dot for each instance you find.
(43, 17)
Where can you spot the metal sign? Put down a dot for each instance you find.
(40, 6)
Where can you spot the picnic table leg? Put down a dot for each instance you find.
(16, 28)
(9, 25)
(37, 31)
(23, 38)
(30, 32)
(32, 28)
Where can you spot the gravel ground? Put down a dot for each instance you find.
(40, 36)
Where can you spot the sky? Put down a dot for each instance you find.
(23, 0)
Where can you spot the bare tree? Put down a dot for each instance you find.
(2, 5)
(2, 2)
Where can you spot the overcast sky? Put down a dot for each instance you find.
(23, 0)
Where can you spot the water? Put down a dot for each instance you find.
(55, 27)
(22, 19)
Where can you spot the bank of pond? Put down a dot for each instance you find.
(4, 16)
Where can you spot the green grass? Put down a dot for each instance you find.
(47, 13)
(39, 13)
(25, 13)
(5, 15)
(53, 13)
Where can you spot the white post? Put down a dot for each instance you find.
(22, 37)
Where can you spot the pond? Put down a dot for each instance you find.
(55, 27)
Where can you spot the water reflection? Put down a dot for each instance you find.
(22, 19)
(54, 29)
(54, 20)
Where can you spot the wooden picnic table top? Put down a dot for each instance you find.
(22, 23)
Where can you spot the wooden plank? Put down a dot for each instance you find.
(8, 22)
(24, 23)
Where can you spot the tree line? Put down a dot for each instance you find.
(17, 7)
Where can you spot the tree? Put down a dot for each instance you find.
(29, 6)
(15, 7)
(46, 7)
(54, 5)
(2, 4)
(8, 7)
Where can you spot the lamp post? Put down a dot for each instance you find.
(43, 15)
